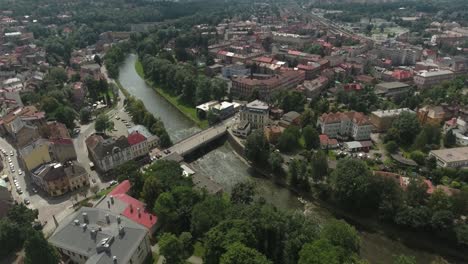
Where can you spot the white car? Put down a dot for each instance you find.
(11, 153)
(20, 172)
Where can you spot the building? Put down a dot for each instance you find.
(108, 153)
(355, 146)
(327, 143)
(313, 88)
(427, 79)
(459, 129)
(221, 109)
(431, 115)
(256, 113)
(237, 69)
(97, 236)
(290, 118)
(451, 158)
(35, 154)
(401, 56)
(345, 125)
(57, 178)
(242, 129)
(138, 144)
(119, 202)
(62, 150)
(392, 90)
(273, 132)
(383, 119)
(152, 140)
(266, 85)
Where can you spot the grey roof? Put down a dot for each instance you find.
(392, 85)
(290, 116)
(54, 171)
(78, 238)
(107, 146)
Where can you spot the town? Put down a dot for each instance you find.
(244, 132)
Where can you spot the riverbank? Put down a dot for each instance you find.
(189, 111)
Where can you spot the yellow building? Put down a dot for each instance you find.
(35, 154)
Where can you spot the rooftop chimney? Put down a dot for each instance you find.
(84, 226)
(93, 234)
(114, 258)
(118, 219)
(107, 218)
(131, 208)
(138, 209)
(112, 199)
(85, 217)
(77, 222)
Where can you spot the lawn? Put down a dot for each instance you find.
(189, 111)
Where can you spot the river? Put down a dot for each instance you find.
(225, 167)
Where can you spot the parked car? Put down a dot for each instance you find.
(26, 201)
(113, 182)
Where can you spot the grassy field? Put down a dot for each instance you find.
(189, 111)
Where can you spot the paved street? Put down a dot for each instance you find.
(46, 205)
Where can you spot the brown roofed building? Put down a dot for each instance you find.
(244, 87)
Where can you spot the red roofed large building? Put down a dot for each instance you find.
(243, 87)
(345, 125)
(119, 202)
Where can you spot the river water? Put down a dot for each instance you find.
(225, 167)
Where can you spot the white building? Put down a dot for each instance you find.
(451, 158)
(426, 79)
(256, 113)
(345, 125)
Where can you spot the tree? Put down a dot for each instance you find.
(402, 259)
(275, 161)
(319, 252)
(391, 147)
(152, 188)
(174, 208)
(38, 250)
(407, 127)
(103, 123)
(208, 214)
(85, 115)
(293, 101)
(243, 193)
(289, 140)
(342, 235)
(10, 237)
(130, 170)
(449, 139)
(226, 233)
(418, 156)
(354, 185)
(311, 137)
(97, 59)
(238, 253)
(171, 248)
(319, 165)
(257, 148)
(308, 118)
(461, 232)
(66, 115)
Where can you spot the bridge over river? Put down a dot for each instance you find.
(186, 146)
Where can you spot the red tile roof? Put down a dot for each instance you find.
(135, 138)
(143, 217)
